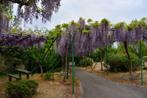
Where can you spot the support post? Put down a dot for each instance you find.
(141, 62)
(73, 70)
(106, 54)
(67, 69)
(67, 74)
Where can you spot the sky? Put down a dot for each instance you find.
(113, 10)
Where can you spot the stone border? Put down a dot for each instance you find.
(81, 89)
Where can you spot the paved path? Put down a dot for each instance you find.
(97, 87)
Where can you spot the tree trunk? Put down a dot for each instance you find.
(41, 69)
(4, 23)
(93, 67)
(101, 61)
(66, 65)
(129, 58)
(101, 65)
(63, 66)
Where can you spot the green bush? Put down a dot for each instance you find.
(49, 76)
(120, 63)
(86, 61)
(77, 60)
(21, 89)
(96, 55)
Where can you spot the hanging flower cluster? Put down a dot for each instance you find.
(87, 37)
(20, 40)
(131, 33)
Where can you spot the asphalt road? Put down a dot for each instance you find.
(98, 87)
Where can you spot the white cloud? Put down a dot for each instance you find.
(114, 10)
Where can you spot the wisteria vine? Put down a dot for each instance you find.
(88, 37)
(27, 10)
(20, 40)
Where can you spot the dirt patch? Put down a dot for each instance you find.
(3, 82)
(56, 88)
(49, 89)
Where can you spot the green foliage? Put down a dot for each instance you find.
(49, 76)
(11, 64)
(142, 22)
(11, 57)
(95, 24)
(134, 24)
(2, 74)
(120, 25)
(119, 62)
(89, 20)
(21, 89)
(45, 57)
(105, 21)
(145, 50)
(34, 57)
(86, 61)
(85, 31)
(77, 60)
(96, 55)
(6, 11)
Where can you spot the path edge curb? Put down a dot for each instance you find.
(81, 89)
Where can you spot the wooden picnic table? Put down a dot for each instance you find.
(24, 72)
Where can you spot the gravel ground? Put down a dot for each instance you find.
(97, 87)
(56, 88)
(50, 90)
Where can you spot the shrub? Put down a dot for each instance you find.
(21, 89)
(86, 61)
(77, 60)
(32, 86)
(49, 76)
(120, 63)
(96, 55)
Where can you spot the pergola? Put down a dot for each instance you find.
(80, 38)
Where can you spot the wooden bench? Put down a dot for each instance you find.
(24, 72)
(13, 76)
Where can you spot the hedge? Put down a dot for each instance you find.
(120, 62)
